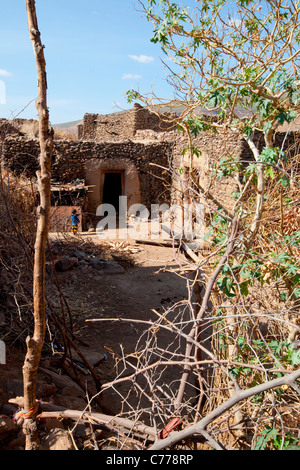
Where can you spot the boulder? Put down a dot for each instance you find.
(62, 381)
(80, 255)
(44, 390)
(108, 267)
(112, 267)
(66, 264)
(57, 439)
(9, 410)
(92, 357)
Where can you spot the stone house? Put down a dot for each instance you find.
(134, 154)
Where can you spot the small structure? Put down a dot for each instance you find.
(134, 154)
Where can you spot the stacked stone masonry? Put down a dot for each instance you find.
(149, 153)
(123, 125)
(85, 160)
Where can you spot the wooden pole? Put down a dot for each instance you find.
(35, 344)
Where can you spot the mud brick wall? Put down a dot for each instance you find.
(7, 128)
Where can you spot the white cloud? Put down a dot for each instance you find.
(5, 73)
(142, 59)
(130, 76)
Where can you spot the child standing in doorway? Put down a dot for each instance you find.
(75, 221)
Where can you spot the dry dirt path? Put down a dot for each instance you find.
(132, 295)
(92, 294)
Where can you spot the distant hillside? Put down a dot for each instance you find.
(69, 127)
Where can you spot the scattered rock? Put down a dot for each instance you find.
(53, 423)
(62, 381)
(44, 390)
(9, 410)
(87, 270)
(18, 443)
(7, 427)
(65, 264)
(57, 439)
(93, 357)
(83, 262)
(96, 263)
(108, 267)
(80, 255)
(112, 267)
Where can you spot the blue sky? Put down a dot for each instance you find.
(95, 51)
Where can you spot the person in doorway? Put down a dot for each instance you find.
(75, 221)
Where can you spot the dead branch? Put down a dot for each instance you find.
(201, 426)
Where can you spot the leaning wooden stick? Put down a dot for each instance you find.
(35, 344)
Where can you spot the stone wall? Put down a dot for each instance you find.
(7, 128)
(211, 148)
(123, 125)
(87, 130)
(141, 159)
(17, 127)
(115, 127)
(88, 160)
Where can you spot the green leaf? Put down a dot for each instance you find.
(248, 131)
(297, 293)
(264, 108)
(285, 182)
(283, 296)
(131, 96)
(286, 116)
(270, 173)
(269, 155)
(295, 358)
(244, 289)
(267, 435)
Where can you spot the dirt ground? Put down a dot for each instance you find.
(93, 294)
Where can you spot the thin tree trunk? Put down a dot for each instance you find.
(196, 329)
(35, 344)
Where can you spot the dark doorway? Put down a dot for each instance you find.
(113, 188)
